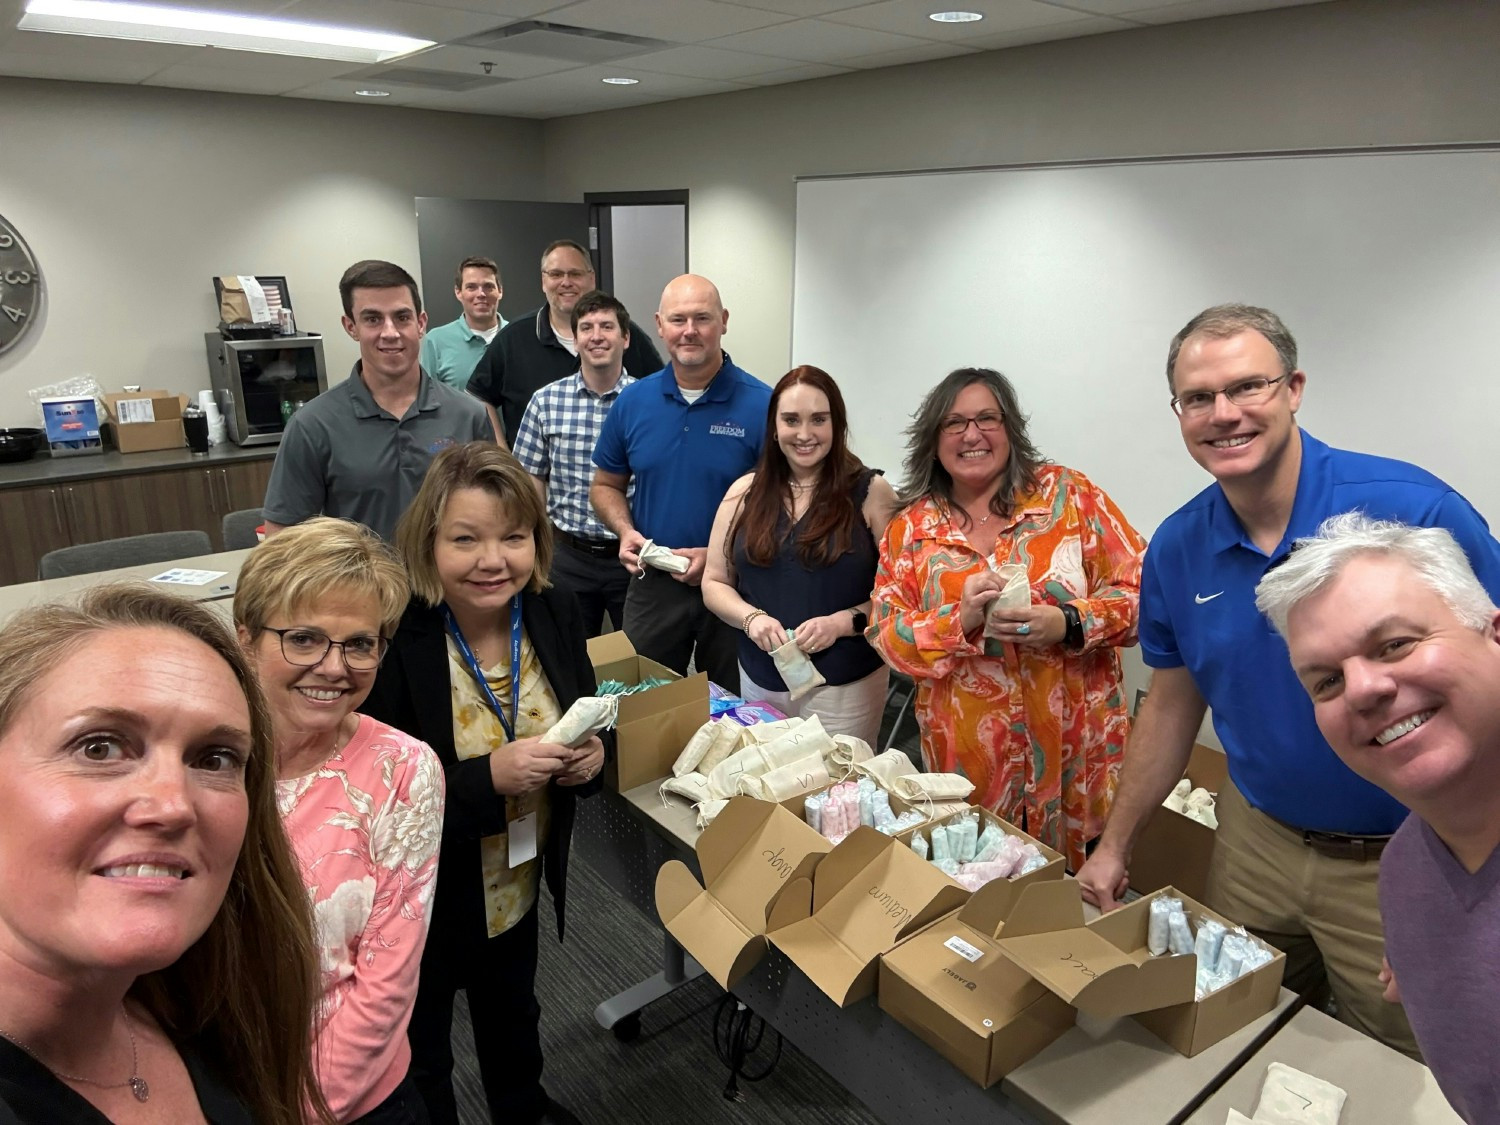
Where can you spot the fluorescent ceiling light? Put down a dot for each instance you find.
(215, 29)
(621, 81)
(956, 17)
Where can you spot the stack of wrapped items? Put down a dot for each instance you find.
(974, 858)
(1196, 804)
(849, 804)
(1224, 955)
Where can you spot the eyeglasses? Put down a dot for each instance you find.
(306, 648)
(1243, 393)
(956, 424)
(571, 275)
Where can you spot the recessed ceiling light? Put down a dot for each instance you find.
(215, 29)
(956, 17)
(621, 81)
(372, 93)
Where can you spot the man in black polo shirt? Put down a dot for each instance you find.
(537, 348)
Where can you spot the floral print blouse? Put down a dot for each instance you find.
(509, 892)
(365, 826)
(1040, 731)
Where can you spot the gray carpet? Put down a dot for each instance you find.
(671, 1073)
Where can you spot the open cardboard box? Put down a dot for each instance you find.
(751, 852)
(1104, 968)
(654, 726)
(163, 431)
(1006, 890)
(1175, 850)
(867, 894)
(950, 986)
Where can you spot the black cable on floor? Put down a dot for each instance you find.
(736, 1038)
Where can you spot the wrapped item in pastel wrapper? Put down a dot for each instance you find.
(1179, 934)
(796, 668)
(948, 867)
(788, 780)
(919, 844)
(584, 718)
(653, 555)
(812, 811)
(1015, 593)
(942, 847)
(1157, 933)
(909, 819)
(965, 838)
(866, 789)
(1209, 941)
(935, 786)
(692, 786)
(1009, 855)
(1035, 861)
(880, 805)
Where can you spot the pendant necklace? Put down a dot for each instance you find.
(137, 1084)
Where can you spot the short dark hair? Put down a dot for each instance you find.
(1223, 321)
(372, 273)
(597, 300)
(475, 264)
(567, 244)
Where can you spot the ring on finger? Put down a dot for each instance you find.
(1023, 629)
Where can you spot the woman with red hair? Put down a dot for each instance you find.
(793, 555)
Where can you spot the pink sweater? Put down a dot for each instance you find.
(366, 827)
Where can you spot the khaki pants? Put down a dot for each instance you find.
(1323, 913)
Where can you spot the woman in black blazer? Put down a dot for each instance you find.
(477, 543)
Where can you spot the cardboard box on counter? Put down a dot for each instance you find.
(140, 421)
(1103, 967)
(749, 855)
(1006, 890)
(867, 894)
(951, 987)
(1175, 850)
(653, 726)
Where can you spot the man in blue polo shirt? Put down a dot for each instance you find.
(684, 434)
(1300, 835)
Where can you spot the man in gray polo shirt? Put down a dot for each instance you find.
(361, 448)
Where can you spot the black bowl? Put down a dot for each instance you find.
(20, 443)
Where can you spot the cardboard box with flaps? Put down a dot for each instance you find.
(750, 854)
(1173, 849)
(865, 895)
(140, 421)
(950, 986)
(653, 726)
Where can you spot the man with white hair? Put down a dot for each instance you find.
(1396, 642)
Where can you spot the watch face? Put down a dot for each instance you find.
(20, 287)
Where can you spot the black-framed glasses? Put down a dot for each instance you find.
(306, 648)
(988, 422)
(1243, 393)
(571, 275)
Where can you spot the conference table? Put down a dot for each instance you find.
(1100, 1072)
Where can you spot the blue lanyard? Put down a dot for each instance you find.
(478, 673)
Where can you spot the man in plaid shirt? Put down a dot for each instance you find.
(555, 444)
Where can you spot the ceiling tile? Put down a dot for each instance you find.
(802, 73)
(1206, 9)
(507, 9)
(707, 62)
(925, 53)
(677, 21)
(1089, 25)
(342, 90)
(816, 41)
(798, 7)
(244, 72)
(903, 17)
(424, 21)
(44, 46)
(470, 60)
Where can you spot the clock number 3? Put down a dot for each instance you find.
(18, 277)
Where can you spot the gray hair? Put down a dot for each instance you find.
(1432, 553)
(1223, 321)
(925, 475)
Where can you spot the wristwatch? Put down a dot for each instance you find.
(861, 621)
(1073, 636)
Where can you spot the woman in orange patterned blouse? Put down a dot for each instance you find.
(1033, 714)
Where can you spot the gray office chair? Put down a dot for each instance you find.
(239, 529)
(134, 550)
(904, 686)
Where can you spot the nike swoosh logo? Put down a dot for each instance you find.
(1200, 599)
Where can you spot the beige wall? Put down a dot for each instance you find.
(1348, 73)
(132, 198)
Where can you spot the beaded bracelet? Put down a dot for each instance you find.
(749, 617)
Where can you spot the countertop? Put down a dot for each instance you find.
(43, 469)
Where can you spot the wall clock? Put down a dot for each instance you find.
(20, 287)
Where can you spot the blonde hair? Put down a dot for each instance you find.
(478, 464)
(309, 562)
(248, 987)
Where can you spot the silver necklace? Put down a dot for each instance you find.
(137, 1084)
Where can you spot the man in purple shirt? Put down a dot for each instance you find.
(1398, 644)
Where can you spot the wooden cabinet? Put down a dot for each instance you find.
(41, 518)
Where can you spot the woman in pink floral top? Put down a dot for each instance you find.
(361, 801)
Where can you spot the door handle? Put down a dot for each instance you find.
(213, 497)
(228, 499)
(75, 517)
(57, 512)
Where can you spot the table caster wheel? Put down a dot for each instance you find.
(628, 1029)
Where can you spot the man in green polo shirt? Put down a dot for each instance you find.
(450, 351)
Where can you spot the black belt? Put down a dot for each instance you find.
(1338, 845)
(599, 548)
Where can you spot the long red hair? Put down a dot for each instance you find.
(827, 528)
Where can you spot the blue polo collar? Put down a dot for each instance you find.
(720, 388)
(1312, 501)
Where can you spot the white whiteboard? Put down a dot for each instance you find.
(1073, 280)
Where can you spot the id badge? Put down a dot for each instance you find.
(520, 829)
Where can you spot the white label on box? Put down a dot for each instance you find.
(963, 948)
(135, 410)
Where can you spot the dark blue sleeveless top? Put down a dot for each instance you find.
(791, 592)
